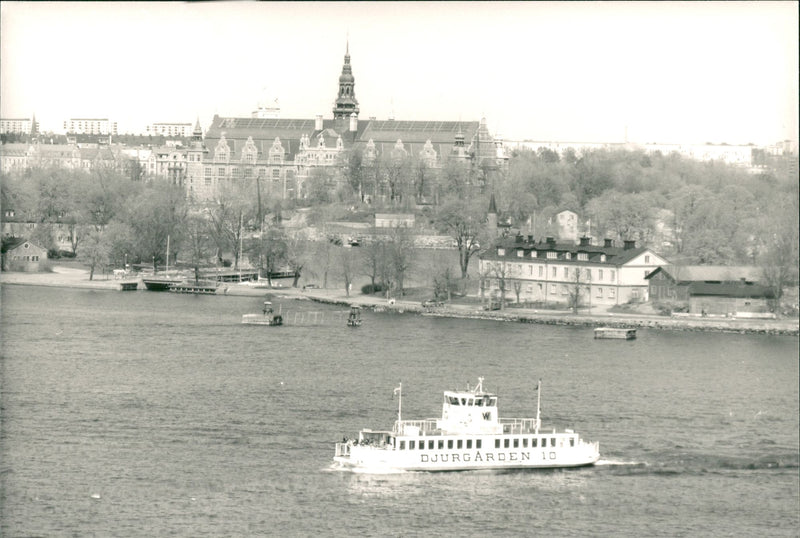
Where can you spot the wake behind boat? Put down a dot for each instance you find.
(470, 435)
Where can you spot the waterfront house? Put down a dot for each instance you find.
(551, 272)
(711, 289)
(19, 254)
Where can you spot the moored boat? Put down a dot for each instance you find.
(266, 317)
(160, 283)
(470, 435)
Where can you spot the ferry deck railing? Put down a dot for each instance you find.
(429, 426)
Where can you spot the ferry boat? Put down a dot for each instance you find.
(470, 435)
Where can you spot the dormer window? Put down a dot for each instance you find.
(552, 255)
(501, 251)
(520, 253)
(582, 256)
(533, 253)
(602, 257)
(567, 256)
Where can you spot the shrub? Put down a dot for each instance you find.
(369, 289)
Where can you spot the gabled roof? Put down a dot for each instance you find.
(740, 290)
(613, 255)
(710, 273)
(10, 243)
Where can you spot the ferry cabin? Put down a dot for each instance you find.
(470, 435)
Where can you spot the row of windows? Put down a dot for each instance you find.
(516, 442)
(540, 271)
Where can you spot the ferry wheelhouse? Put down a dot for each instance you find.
(470, 435)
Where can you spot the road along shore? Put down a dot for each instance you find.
(74, 278)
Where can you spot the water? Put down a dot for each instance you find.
(156, 414)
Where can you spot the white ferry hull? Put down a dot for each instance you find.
(378, 459)
(470, 435)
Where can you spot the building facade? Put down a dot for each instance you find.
(21, 255)
(18, 125)
(550, 272)
(183, 130)
(283, 153)
(94, 126)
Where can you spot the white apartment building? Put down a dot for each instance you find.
(15, 125)
(99, 126)
(170, 129)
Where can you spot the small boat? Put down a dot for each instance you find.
(612, 333)
(470, 435)
(267, 317)
(354, 318)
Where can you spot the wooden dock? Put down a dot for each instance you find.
(612, 333)
(202, 288)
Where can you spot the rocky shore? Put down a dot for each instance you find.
(78, 278)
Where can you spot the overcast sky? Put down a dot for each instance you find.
(560, 71)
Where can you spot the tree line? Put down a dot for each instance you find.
(715, 213)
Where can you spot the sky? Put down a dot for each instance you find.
(666, 72)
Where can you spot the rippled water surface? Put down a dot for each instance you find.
(156, 414)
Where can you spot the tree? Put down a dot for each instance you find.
(157, 218)
(198, 241)
(400, 250)
(782, 257)
(578, 288)
(464, 221)
(94, 252)
(374, 259)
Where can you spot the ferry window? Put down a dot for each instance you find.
(478, 443)
(469, 443)
(497, 443)
(463, 401)
(450, 443)
(534, 442)
(411, 445)
(493, 402)
(402, 445)
(458, 443)
(441, 444)
(516, 443)
(506, 443)
(430, 444)
(453, 400)
(421, 445)
(571, 441)
(479, 402)
(552, 441)
(525, 443)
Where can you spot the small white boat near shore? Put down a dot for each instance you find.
(470, 435)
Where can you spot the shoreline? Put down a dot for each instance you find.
(78, 279)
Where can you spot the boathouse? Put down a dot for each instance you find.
(19, 254)
(712, 289)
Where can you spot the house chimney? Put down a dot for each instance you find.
(585, 241)
(629, 244)
(608, 243)
(353, 122)
(530, 239)
(518, 238)
(551, 241)
(318, 123)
